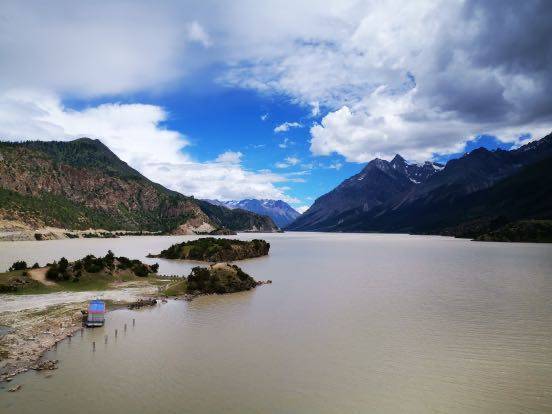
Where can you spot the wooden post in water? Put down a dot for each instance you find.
(55, 346)
(94, 346)
(125, 327)
(105, 339)
(115, 333)
(133, 322)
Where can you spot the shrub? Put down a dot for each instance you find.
(19, 265)
(140, 270)
(53, 272)
(93, 264)
(124, 262)
(63, 263)
(109, 259)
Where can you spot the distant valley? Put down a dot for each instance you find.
(279, 211)
(81, 184)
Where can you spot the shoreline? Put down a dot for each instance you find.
(35, 329)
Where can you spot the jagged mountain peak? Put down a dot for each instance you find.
(398, 159)
(393, 196)
(278, 210)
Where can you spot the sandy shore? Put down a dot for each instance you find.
(35, 323)
(11, 230)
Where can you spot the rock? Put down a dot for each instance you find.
(14, 389)
(49, 365)
(142, 302)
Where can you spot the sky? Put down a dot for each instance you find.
(275, 99)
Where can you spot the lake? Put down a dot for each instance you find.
(353, 323)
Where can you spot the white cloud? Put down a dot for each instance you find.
(442, 72)
(293, 160)
(288, 162)
(229, 157)
(286, 126)
(94, 49)
(335, 166)
(197, 33)
(135, 133)
(418, 81)
(286, 143)
(264, 117)
(384, 124)
(315, 109)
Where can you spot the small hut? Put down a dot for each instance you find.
(96, 313)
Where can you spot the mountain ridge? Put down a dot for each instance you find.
(278, 210)
(375, 184)
(426, 207)
(82, 184)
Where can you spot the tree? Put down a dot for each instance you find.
(19, 265)
(53, 272)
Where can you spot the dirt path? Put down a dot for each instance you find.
(40, 276)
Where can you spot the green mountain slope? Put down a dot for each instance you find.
(82, 184)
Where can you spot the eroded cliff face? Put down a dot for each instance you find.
(54, 187)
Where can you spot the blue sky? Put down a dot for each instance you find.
(190, 94)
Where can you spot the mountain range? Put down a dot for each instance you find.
(471, 196)
(81, 184)
(279, 211)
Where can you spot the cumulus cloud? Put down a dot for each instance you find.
(445, 72)
(286, 126)
(419, 82)
(229, 157)
(135, 133)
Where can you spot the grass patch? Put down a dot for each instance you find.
(177, 289)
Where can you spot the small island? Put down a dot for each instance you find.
(219, 278)
(88, 273)
(214, 250)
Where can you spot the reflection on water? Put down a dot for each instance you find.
(352, 323)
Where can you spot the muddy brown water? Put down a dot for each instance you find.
(351, 324)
